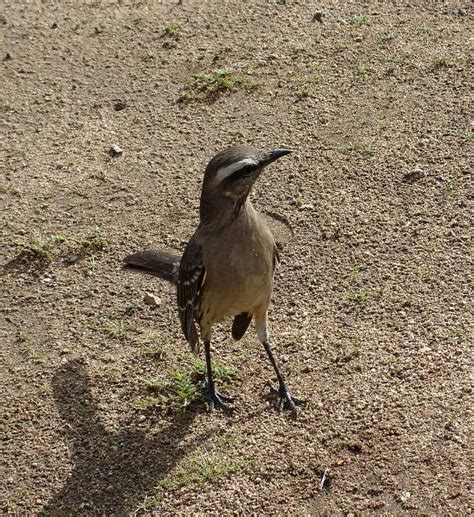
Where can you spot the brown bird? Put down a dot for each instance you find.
(228, 265)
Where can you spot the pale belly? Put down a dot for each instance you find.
(241, 282)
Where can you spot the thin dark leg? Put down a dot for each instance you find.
(216, 399)
(285, 397)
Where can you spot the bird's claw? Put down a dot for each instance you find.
(217, 400)
(286, 399)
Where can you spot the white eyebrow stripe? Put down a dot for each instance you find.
(224, 172)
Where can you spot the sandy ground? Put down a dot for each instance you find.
(101, 412)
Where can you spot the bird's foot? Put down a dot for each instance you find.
(286, 399)
(217, 400)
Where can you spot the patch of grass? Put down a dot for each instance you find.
(46, 388)
(355, 272)
(222, 373)
(425, 30)
(359, 20)
(149, 503)
(147, 402)
(357, 295)
(361, 69)
(386, 35)
(368, 150)
(39, 248)
(150, 346)
(186, 387)
(30, 352)
(92, 240)
(131, 308)
(170, 43)
(451, 187)
(363, 149)
(204, 467)
(203, 85)
(117, 329)
(468, 136)
(432, 245)
(350, 352)
(444, 61)
(173, 30)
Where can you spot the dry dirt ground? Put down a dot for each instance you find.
(101, 411)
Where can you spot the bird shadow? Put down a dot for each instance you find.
(112, 472)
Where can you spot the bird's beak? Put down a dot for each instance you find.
(273, 155)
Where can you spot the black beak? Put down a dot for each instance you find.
(274, 154)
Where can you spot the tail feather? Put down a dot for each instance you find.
(160, 263)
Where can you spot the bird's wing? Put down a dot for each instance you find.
(190, 281)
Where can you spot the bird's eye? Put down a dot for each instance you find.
(246, 171)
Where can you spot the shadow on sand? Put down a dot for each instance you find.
(112, 472)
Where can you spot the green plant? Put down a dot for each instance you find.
(93, 240)
(386, 35)
(30, 352)
(222, 372)
(359, 19)
(39, 248)
(116, 328)
(210, 85)
(147, 402)
(368, 150)
(444, 61)
(357, 295)
(364, 149)
(355, 271)
(173, 29)
(186, 387)
(201, 468)
(361, 69)
(149, 503)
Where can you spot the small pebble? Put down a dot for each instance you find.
(404, 496)
(72, 259)
(151, 300)
(414, 175)
(319, 16)
(120, 105)
(116, 150)
(308, 206)
(349, 321)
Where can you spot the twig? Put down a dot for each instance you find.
(324, 478)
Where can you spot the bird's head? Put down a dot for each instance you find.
(231, 173)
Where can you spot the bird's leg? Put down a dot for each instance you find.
(216, 400)
(286, 399)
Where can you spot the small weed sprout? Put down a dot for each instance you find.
(209, 86)
(173, 30)
(443, 61)
(201, 468)
(186, 387)
(359, 20)
(361, 69)
(358, 296)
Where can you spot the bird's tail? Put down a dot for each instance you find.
(159, 263)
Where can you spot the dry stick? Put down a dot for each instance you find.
(324, 477)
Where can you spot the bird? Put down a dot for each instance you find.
(227, 267)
